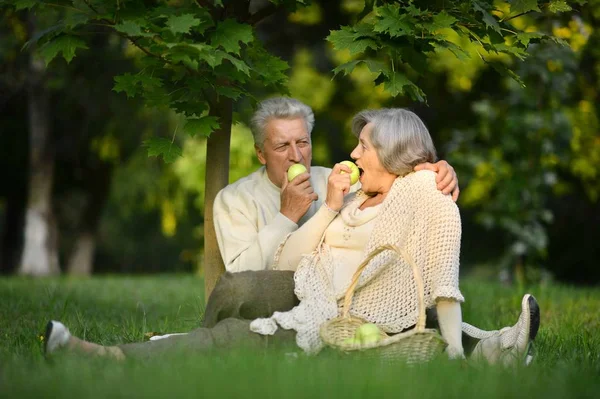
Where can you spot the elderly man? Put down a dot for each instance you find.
(253, 215)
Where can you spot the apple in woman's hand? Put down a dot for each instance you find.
(295, 170)
(355, 174)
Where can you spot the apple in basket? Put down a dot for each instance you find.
(368, 333)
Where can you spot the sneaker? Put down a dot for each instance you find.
(509, 345)
(56, 336)
(518, 339)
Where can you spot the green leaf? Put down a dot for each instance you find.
(24, 4)
(442, 20)
(185, 59)
(148, 82)
(203, 126)
(460, 53)
(376, 66)
(229, 34)
(346, 38)
(48, 33)
(522, 6)
(127, 83)
(67, 45)
(557, 6)
(131, 28)
(161, 146)
(231, 92)
(346, 68)
(526, 37)
(488, 18)
(518, 52)
(213, 58)
(392, 22)
(238, 64)
(414, 11)
(269, 67)
(505, 71)
(397, 83)
(182, 23)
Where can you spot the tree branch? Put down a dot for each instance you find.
(262, 14)
(515, 16)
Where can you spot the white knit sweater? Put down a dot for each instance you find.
(414, 216)
(248, 224)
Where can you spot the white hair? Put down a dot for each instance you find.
(399, 137)
(279, 108)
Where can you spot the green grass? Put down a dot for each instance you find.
(111, 310)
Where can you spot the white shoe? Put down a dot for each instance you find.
(56, 336)
(509, 345)
(518, 339)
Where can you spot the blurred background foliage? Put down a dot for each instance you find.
(528, 158)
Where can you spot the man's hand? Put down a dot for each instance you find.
(297, 196)
(446, 178)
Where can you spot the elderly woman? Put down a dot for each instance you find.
(394, 206)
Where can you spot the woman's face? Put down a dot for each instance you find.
(374, 177)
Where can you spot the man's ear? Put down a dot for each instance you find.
(260, 155)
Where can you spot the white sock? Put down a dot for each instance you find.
(57, 336)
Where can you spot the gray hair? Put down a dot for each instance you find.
(279, 108)
(399, 136)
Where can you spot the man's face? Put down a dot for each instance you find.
(287, 142)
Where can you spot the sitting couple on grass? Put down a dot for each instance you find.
(321, 243)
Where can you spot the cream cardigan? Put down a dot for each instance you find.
(414, 216)
(248, 224)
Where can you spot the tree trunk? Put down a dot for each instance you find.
(217, 177)
(81, 260)
(40, 254)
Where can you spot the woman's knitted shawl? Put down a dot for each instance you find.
(415, 216)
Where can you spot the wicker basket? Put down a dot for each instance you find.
(416, 345)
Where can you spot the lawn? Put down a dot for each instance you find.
(112, 310)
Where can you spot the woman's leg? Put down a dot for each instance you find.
(509, 345)
(227, 334)
(250, 295)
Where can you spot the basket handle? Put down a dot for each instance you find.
(420, 326)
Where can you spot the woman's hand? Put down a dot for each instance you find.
(446, 178)
(338, 185)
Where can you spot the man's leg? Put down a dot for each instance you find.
(227, 334)
(250, 295)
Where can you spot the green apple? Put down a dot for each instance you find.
(355, 174)
(295, 170)
(368, 333)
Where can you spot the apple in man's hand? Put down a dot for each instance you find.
(295, 170)
(355, 174)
